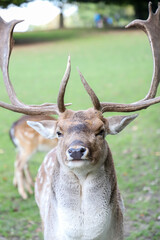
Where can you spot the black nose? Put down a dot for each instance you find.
(77, 153)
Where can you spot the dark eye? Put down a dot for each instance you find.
(100, 133)
(59, 134)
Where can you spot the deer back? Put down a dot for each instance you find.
(26, 138)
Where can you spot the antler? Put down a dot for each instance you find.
(94, 98)
(6, 44)
(151, 27)
(60, 99)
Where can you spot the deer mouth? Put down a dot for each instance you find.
(78, 160)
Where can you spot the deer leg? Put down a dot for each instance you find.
(15, 177)
(28, 179)
(19, 176)
(17, 162)
(28, 176)
(28, 187)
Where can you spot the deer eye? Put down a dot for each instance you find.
(59, 134)
(101, 133)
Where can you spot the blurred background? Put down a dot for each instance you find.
(117, 63)
(53, 14)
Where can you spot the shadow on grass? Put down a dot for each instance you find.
(55, 35)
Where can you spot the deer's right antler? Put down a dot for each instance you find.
(6, 44)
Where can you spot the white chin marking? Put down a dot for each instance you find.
(77, 163)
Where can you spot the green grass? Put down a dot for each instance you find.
(118, 66)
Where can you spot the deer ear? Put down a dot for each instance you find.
(116, 124)
(46, 128)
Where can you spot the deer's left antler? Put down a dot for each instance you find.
(151, 27)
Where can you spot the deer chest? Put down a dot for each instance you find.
(83, 211)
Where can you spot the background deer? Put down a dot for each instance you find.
(27, 142)
(76, 186)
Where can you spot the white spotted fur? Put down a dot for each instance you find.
(74, 211)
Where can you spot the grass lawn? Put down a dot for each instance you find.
(118, 66)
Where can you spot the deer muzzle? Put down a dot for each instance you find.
(77, 152)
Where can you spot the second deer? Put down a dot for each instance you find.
(27, 142)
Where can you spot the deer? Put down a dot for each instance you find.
(27, 142)
(76, 187)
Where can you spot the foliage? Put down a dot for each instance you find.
(87, 11)
(6, 3)
(118, 66)
(140, 7)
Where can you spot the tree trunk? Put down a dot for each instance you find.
(61, 20)
(141, 8)
(61, 17)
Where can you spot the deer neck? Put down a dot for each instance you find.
(83, 173)
(83, 191)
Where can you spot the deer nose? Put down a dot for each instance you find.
(77, 153)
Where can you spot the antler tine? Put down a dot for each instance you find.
(6, 31)
(6, 44)
(60, 99)
(120, 107)
(44, 109)
(151, 27)
(91, 93)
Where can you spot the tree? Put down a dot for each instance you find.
(59, 3)
(140, 6)
(6, 3)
